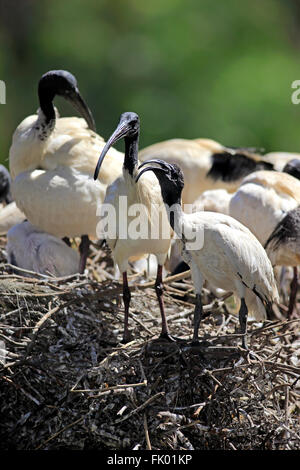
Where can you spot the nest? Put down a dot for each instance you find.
(66, 381)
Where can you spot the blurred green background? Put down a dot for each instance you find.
(189, 68)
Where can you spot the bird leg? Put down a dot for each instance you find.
(197, 318)
(243, 314)
(83, 250)
(126, 300)
(293, 292)
(159, 293)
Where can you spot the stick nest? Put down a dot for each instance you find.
(66, 381)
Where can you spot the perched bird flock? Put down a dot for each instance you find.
(231, 214)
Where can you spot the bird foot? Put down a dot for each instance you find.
(248, 356)
(170, 338)
(126, 338)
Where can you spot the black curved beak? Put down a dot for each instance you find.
(163, 167)
(119, 133)
(80, 105)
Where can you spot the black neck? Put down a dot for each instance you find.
(171, 198)
(46, 105)
(131, 153)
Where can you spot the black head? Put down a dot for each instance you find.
(5, 181)
(63, 83)
(130, 123)
(58, 82)
(128, 129)
(170, 177)
(293, 168)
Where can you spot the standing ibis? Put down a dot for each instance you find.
(218, 249)
(147, 194)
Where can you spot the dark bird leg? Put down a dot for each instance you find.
(159, 293)
(293, 292)
(83, 250)
(126, 300)
(243, 314)
(198, 313)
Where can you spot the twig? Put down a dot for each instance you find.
(148, 443)
(59, 432)
(141, 407)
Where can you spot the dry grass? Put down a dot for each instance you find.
(66, 382)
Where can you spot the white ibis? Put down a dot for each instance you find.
(283, 248)
(148, 194)
(52, 161)
(206, 164)
(262, 201)
(32, 249)
(218, 249)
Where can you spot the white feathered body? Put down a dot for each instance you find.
(263, 199)
(10, 215)
(53, 178)
(213, 200)
(32, 249)
(153, 234)
(231, 258)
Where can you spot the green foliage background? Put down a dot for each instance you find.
(189, 68)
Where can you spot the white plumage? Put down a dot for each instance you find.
(213, 200)
(261, 203)
(32, 249)
(10, 215)
(263, 199)
(230, 257)
(147, 193)
(58, 194)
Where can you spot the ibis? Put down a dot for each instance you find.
(206, 164)
(218, 249)
(31, 249)
(146, 193)
(52, 161)
(261, 202)
(283, 248)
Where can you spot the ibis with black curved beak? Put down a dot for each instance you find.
(146, 193)
(52, 161)
(226, 254)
